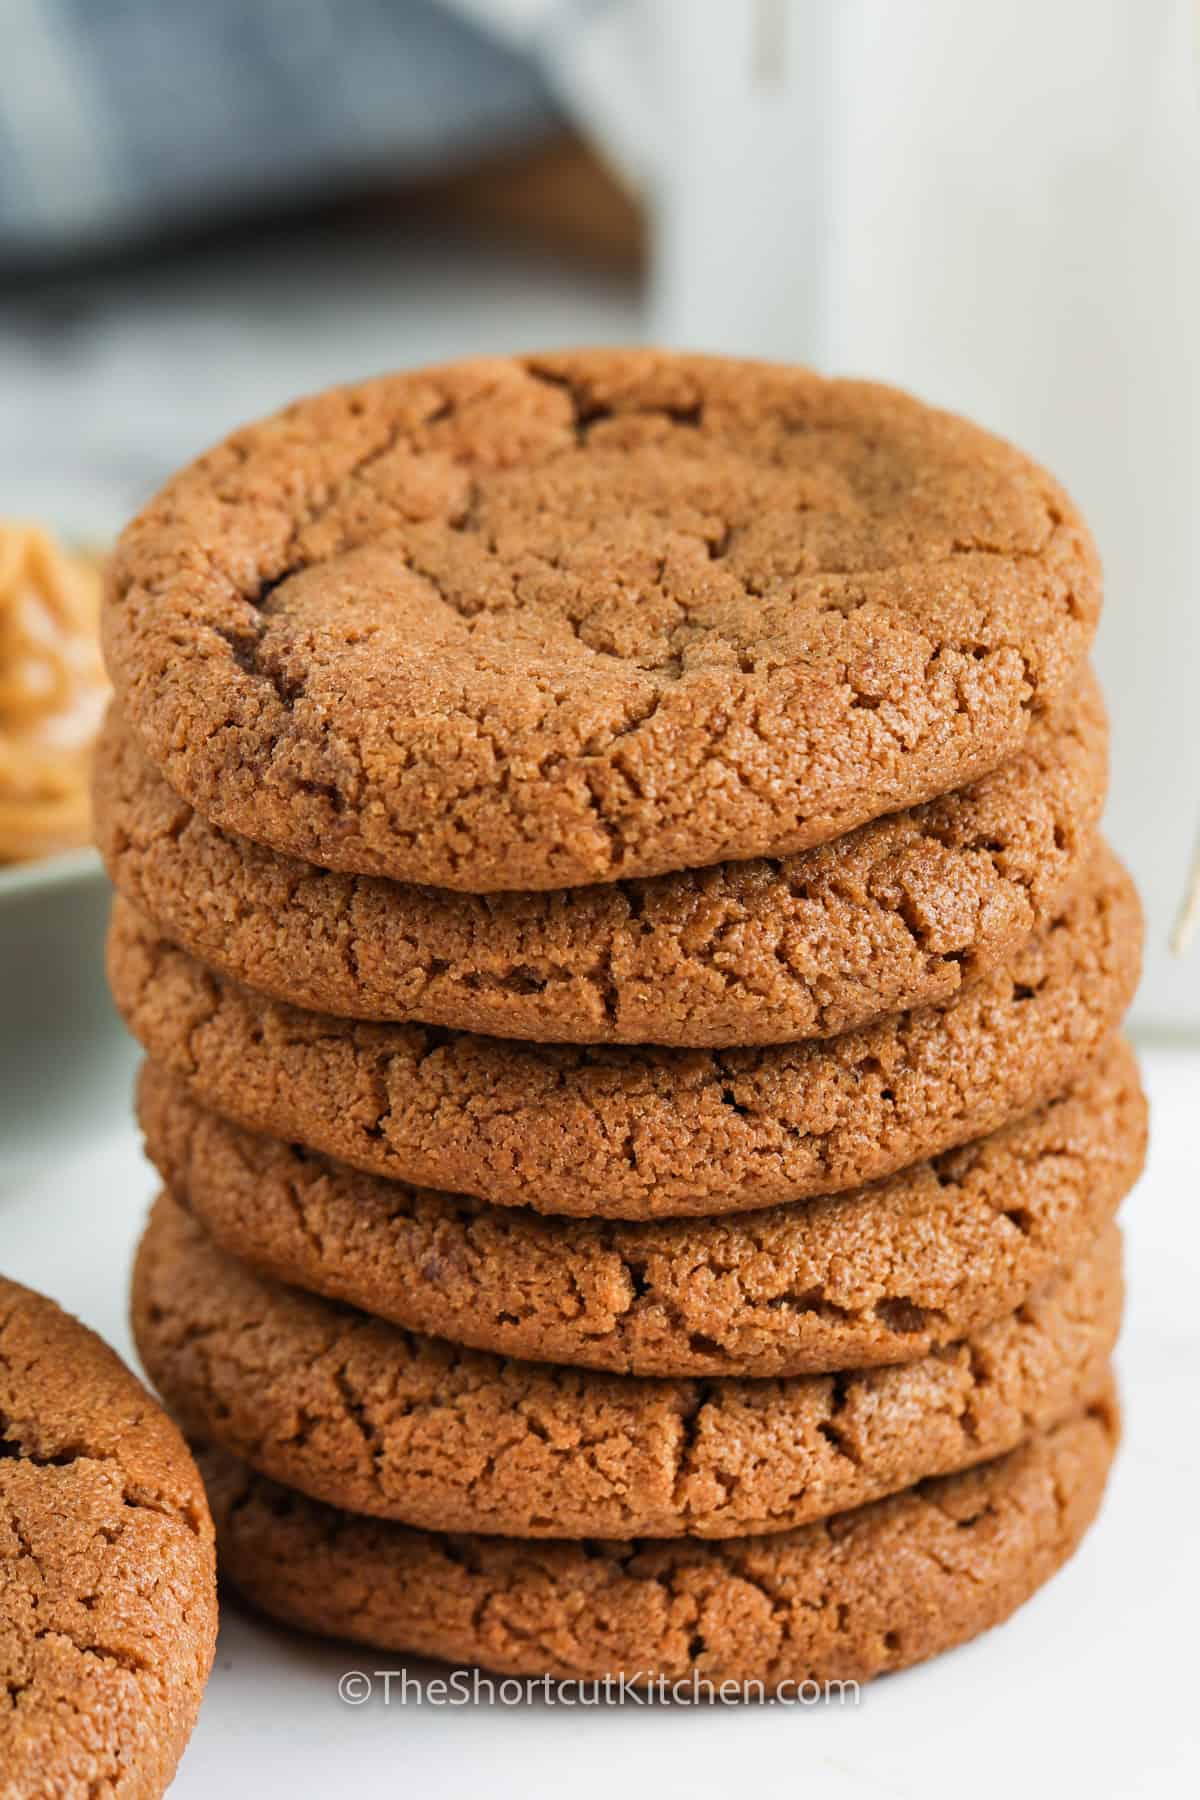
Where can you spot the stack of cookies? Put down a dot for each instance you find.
(609, 889)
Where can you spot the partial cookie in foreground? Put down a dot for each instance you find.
(636, 1132)
(534, 622)
(108, 1605)
(845, 1599)
(899, 913)
(882, 1274)
(361, 1415)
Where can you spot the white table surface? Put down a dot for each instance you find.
(1090, 1686)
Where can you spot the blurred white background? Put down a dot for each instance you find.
(995, 206)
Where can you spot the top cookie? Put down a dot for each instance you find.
(546, 621)
(108, 1602)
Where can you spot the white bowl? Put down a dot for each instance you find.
(66, 1061)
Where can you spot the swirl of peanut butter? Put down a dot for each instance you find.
(53, 692)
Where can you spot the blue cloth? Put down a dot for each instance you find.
(122, 117)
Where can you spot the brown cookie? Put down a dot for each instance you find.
(899, 913)
(108, 1601)
(535, 622)
(881, 1274)
(845, 1599)
(643, 1133)
(357, 1413)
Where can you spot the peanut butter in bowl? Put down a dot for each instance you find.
(53, 691)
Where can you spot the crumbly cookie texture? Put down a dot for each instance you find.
(899, 913)
(881, 1274)
(847, 1598)
(108, 1604)
(536, 622)
(357, 1413)
(640, 1133)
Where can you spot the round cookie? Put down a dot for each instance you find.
(108, 1602)
(844, 1599)
(899, 913)
(535, 622)
(357, 1413)
(881, 1274)
(643, 1133)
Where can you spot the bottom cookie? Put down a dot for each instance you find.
(846, 1599)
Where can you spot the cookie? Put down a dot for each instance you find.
(537, 622)
(108, 1603)
(643, 1133)
(899, 913)
(845, 1599)
(881, 1274)
(357, 1413)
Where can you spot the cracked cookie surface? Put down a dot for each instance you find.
(637, 1132)
(881, 1274)
(846, 1598)
(536, 622)
(899, 913)
(108, 1605)
(357, 1413)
